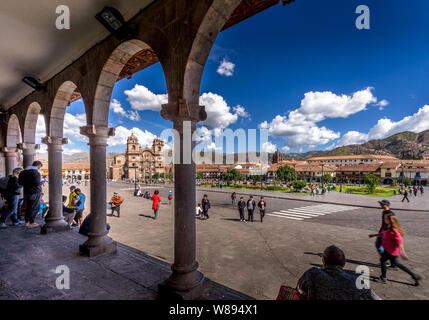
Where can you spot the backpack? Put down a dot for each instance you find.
(3, 185)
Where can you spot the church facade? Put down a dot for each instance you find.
(139, 162)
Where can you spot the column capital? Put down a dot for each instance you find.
(181, 110)
(9, 151)
(28, 146)
(92, 130)
(55, 140)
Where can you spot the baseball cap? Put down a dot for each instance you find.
(384, 202)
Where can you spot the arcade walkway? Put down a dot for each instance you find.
(28, 262)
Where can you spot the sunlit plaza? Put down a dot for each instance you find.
(221, 150)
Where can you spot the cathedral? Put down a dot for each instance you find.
(138, 162)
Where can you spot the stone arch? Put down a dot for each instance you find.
(30, 123)
(13, 135)
(212, 24)
(61, 101)
(108, 77)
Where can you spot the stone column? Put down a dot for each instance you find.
(98, 242)
(54, 218)
(28, 153)
(11, 157)
(186, 282)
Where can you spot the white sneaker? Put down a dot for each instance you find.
(18, 223)
(3, 226)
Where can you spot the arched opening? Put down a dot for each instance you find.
(30, 124)
(13, 136)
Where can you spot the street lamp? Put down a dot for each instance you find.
(323, 178)
(135, 178)
(341, 179)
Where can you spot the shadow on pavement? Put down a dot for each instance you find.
(143, 215)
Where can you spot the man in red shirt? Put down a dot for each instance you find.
(156, 199)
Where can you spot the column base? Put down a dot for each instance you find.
(92, 251)
(167, 292)
(45, 229)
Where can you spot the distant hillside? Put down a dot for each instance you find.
(81, 157)
(408, 145)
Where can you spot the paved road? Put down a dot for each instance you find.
(414, 223)
(256, 258)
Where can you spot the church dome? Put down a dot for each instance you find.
(132, 139)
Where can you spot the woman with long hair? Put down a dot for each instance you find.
(393, 246)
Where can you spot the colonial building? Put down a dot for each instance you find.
(138, 161)
(350, 159)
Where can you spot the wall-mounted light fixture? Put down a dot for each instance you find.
(35, 84)
(113, 21)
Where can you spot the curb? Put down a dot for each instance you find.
(309, 200)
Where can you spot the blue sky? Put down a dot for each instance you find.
(304, 72)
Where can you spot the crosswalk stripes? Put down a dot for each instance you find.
(308, 212)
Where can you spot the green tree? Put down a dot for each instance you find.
(256, 178)
(286, 173)
(298, 184)
(327, 178)
(406, 181)
(371, 182)
(233, 175)
(155, 176)
(200, 175)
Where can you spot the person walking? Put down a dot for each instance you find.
(234, 198)
(13, 190)
(251, 204)
(31, 181)
(80, 207)
(415, 191)
(72, 198)
(156, 199)
(115, 203)
(241, 205)
(170, 197)
(262, 205)
(205, 206)
(393, 245)
(68, 213)
(405, 195)
(422, 190)
(385, 205)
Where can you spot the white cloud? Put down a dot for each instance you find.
(299, 127)
(241, 112)
(72, 124)
(117, 108)
(212, 147)
(353, 137)
(317, 106)
(218, 112)
(382, 104)
(121, 135)
(385, 127)
(269, 147)
(226, 68)
(141, 98)
(285, 148)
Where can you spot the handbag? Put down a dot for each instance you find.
(288, 293)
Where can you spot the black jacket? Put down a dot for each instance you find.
(31, 181)
(13, 187)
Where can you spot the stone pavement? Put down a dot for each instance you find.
(29, 260)
(419, 203)
(256, 258)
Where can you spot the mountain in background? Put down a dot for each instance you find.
(81, 157)
(404, 145)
